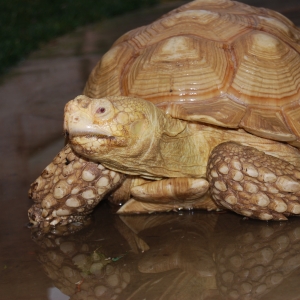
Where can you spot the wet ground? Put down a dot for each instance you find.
(193, 255)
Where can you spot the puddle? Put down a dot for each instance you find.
(170, 256)
(55, 294)
(191, 255)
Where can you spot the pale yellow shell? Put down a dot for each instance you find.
(219, 62)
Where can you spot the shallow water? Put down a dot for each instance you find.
(190, 255)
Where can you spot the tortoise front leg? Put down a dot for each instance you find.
(69, 188)
(171, 190)
(252, 183)
(168, 194)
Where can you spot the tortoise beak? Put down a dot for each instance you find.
(78, 121)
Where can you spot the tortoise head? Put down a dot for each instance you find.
(116, 130)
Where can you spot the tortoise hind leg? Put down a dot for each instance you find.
(252, 183)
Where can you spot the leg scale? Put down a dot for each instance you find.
(252, 183)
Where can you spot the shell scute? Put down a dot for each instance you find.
(231, 7)
(292, 113)
(211, 25)
(208, 111)
(267, 71)
(196, 71)
(214, 61)
(278, 28)
(105, 77)
(267, 123)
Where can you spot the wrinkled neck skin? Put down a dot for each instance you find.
(157, 146)
(186, 154)
(160, 146)
(131, 149)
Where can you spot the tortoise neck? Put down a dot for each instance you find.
(185, 155)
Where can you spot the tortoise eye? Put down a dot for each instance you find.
(103, 109)
(100, 110)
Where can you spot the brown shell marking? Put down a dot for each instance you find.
(292, 113)
(218, 62)
(267, 123)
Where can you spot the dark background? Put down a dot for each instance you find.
(27, 24)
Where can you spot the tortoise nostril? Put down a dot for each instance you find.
(84, 102)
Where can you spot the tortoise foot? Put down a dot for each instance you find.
(69, 189)
(252, 183)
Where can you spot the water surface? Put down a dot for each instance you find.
(190, 255)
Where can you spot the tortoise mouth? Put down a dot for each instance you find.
(99, 136)
(87, 134)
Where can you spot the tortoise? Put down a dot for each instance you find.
(199, 109)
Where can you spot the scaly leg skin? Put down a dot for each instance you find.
(252, 183)
(69, 189)
(170, 190)
(168, 194)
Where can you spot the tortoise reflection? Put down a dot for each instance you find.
(171, 256)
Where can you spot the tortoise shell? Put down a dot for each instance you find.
(218, 62)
